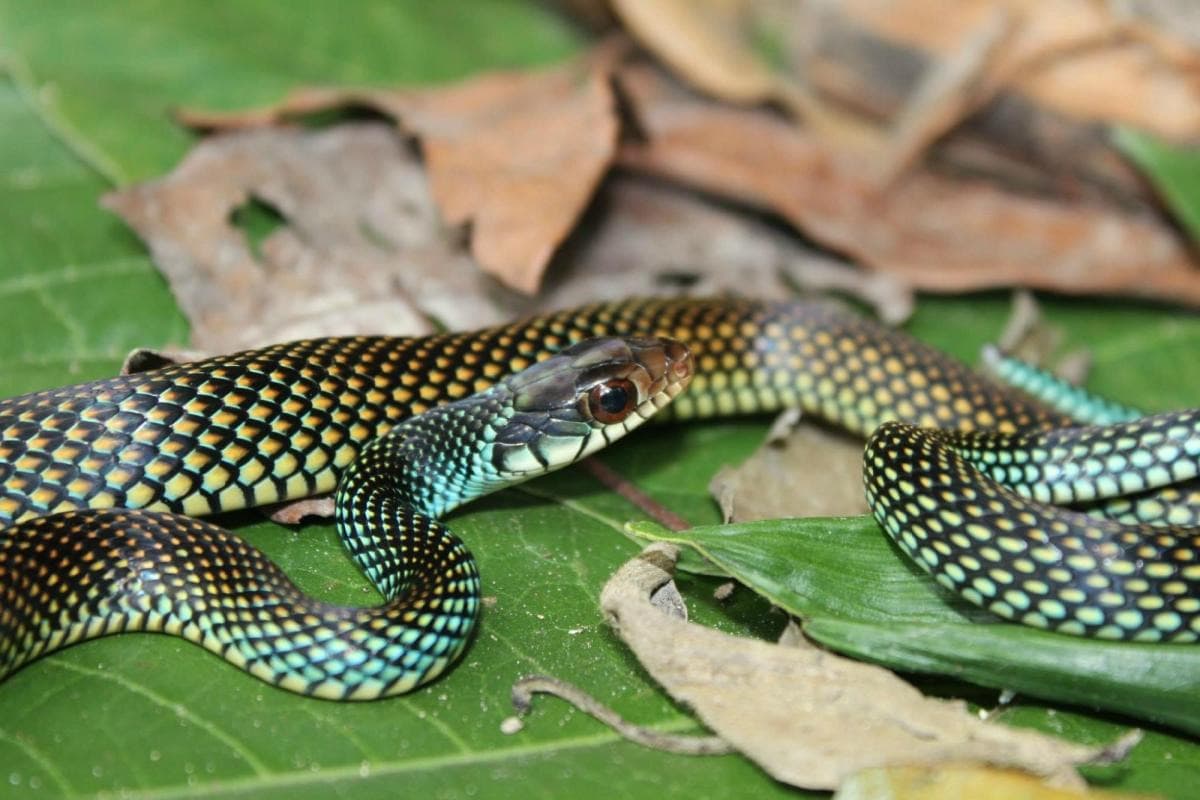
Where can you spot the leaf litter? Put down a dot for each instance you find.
(517, 154)
(1031, 89)
(361, 248)
(808, 717)
(933, 232)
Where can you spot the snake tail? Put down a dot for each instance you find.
(1061, 395)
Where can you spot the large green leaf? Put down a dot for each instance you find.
(1174, 171)
(87, 105)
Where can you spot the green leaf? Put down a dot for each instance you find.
(115, 71)
(859, 595)
(88, 106)
(1174, 170)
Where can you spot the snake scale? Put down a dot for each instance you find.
(100, 482)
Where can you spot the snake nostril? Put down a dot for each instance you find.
(680, 357)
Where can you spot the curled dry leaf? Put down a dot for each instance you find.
(806, 716)
(936, 233)
(945, 95)
(712, 45)
(359, 250)
(520, 154)
(515, 154)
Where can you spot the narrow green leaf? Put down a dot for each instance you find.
(860, 596)
(1174, 171)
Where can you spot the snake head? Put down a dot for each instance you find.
(584, 398)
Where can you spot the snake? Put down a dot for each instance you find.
(103, 484)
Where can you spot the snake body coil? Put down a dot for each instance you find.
(288, 421)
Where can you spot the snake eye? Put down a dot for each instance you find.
(611, 401)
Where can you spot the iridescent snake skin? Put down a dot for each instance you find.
(95, 479)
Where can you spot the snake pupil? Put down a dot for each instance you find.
(612, 401)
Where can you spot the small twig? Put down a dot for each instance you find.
(611, 479)
(522, 698)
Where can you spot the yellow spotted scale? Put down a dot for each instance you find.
(288, 421)
(974, 510)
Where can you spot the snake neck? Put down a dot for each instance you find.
(435, 462)
(389, 500)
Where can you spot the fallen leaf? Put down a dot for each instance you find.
(1077, 57)
(936, 233)
(944, 97)
(517, 155)
(806, 716)
(845, 71)
(859, 596)
(810, 471)
(956, 782)
(360, 248)
(1179, 17)
(643, 237)
(711, 45)
(704, 42)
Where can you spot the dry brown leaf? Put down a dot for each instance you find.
(944, 97)
(704, 43)
(645, 238)
(1179, 17)
(710, 45)
(958, 782)
(810, 471)
(935, 233)
(517, 155)
(808, 717)
(1079, 57)
(1010, 138)
(361, 248)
